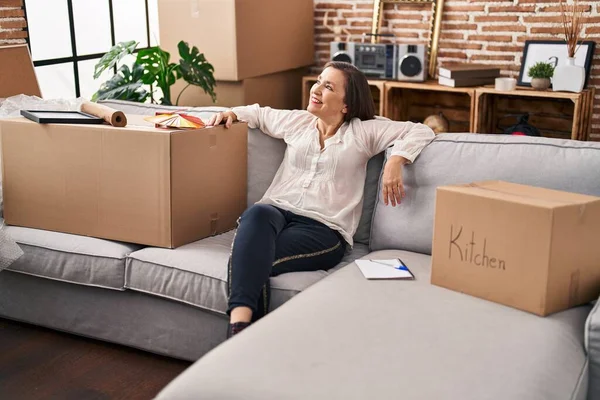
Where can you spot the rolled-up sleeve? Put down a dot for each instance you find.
(408, 138)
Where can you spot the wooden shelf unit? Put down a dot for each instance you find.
(377, 90)
(555, 114)
(409, 101)
(482, 109)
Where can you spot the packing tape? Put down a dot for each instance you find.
(581, 211)
(525, 196)
(214, 218)
(195, 9)
(574, 289)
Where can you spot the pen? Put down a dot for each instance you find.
(401, 267)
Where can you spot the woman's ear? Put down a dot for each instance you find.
(345, 109)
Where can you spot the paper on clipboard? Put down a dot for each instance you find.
(384, 269)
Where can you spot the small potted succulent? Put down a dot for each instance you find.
(540, 74)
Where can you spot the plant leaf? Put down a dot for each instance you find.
(126, 84)
(114, 55)
(158, 71)
(196, 70)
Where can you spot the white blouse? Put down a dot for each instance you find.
(327, 185)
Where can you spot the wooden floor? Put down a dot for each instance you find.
(38, 363)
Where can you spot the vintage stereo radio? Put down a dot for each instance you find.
(374, 60)
(403, 62)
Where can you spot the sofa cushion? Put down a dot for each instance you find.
(374, 171)
(264, 158)
(196, 273)
(69, 258)
(592, 345)
(463, 158)
(350, 338)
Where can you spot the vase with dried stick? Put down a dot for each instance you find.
(568, 76)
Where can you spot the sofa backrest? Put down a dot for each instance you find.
(264, 157)
(463, 158)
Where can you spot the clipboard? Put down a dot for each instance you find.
(385, 269)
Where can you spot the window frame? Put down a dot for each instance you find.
(75, 58)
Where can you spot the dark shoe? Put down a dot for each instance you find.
(236, 328)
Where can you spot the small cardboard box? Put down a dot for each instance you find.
(282, 90)
(135, 184)
(17, 75)
(526, 247)
(241, 38)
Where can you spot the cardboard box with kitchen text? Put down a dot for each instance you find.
(135, 184)
(530, 248)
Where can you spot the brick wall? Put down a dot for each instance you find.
(12, 22)
(481, 31)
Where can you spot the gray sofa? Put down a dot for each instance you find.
(343, 337)
(349, 338)
(171, 302)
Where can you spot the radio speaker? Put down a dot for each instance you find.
(342, 51)
(412, 62)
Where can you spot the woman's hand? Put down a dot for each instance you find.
(228, 116)
(393, 187)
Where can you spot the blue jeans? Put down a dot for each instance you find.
(270, 241)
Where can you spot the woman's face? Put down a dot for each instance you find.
(327, 95)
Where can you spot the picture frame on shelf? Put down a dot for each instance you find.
(554, 52)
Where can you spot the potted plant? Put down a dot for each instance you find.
(540, 74)
(568, 76)
(153, 69)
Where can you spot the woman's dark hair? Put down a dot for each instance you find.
(358, 99)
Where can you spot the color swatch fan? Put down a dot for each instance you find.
(179, 121)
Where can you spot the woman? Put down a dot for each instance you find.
(310, 212)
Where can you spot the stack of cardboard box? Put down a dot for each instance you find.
(260, 49)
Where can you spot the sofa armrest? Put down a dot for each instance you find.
(592, 346)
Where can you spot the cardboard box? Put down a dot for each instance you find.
(526, 247)
(17, 75)
(241, 38)
(135, 184)
(281, 90)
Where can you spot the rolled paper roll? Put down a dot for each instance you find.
(110, 115)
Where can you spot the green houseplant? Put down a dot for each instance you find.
(152, 67)
(540, 74)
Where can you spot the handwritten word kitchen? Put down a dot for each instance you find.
(471, 251)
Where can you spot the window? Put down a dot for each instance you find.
(68, 37)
